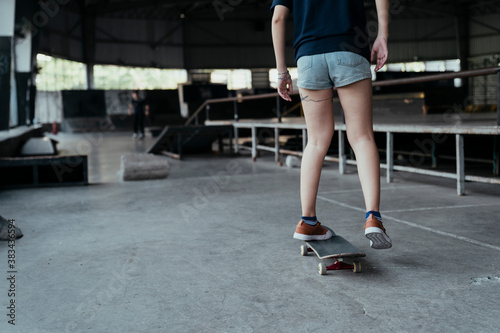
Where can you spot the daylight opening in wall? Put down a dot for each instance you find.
(109, 77)
(56, 74)
(235, 79)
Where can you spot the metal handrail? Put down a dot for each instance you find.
(427, 78)
(439, 77)
(227, 99)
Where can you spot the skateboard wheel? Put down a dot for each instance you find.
(322, 269)
(304, 250)
(357, 267)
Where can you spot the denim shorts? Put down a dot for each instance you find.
(334, 69)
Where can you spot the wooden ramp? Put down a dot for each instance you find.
(177, 140)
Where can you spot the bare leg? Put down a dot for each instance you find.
(356, 101)
(318, 112)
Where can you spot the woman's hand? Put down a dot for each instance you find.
(285, 87)
(380, 48)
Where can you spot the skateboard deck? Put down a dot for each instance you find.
(336, 248)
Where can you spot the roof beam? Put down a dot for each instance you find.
(100, 9)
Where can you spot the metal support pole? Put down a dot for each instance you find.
(433, 154)
(221, 143)
(390, 156)
(231, 136)
(278, 108)
(254, 143)
(498, 98)
(277, 144)
(179, 144)
(460, 164)
(207, 112)
(304, 139)
(342, 158)
(496, 156)
(235, 107)
(236, 137)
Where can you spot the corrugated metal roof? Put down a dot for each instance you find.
(236, 33)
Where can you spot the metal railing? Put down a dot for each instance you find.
(388, 129)
(456, 132)
(427, 78)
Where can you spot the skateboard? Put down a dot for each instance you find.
(336, 248)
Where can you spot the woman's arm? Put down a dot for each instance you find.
(380, 44)
(278, 32)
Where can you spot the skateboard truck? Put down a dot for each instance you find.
(339, 263)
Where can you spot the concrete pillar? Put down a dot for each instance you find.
(13, 121)
(88, 42)
(90, 76)
(7, 15)
(23, 76)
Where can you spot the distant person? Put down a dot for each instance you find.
(141, 110)
(331, 50)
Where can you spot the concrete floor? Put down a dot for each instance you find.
(210, 249)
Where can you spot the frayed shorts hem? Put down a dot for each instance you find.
(341, 84)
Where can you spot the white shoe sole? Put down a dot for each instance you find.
(378, 238)
(303, 237)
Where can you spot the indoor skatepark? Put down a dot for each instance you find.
(201, 239)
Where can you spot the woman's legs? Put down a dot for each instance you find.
(356, 101)
(318, 112)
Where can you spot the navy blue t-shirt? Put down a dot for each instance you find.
(139, 105)
(323, 26)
